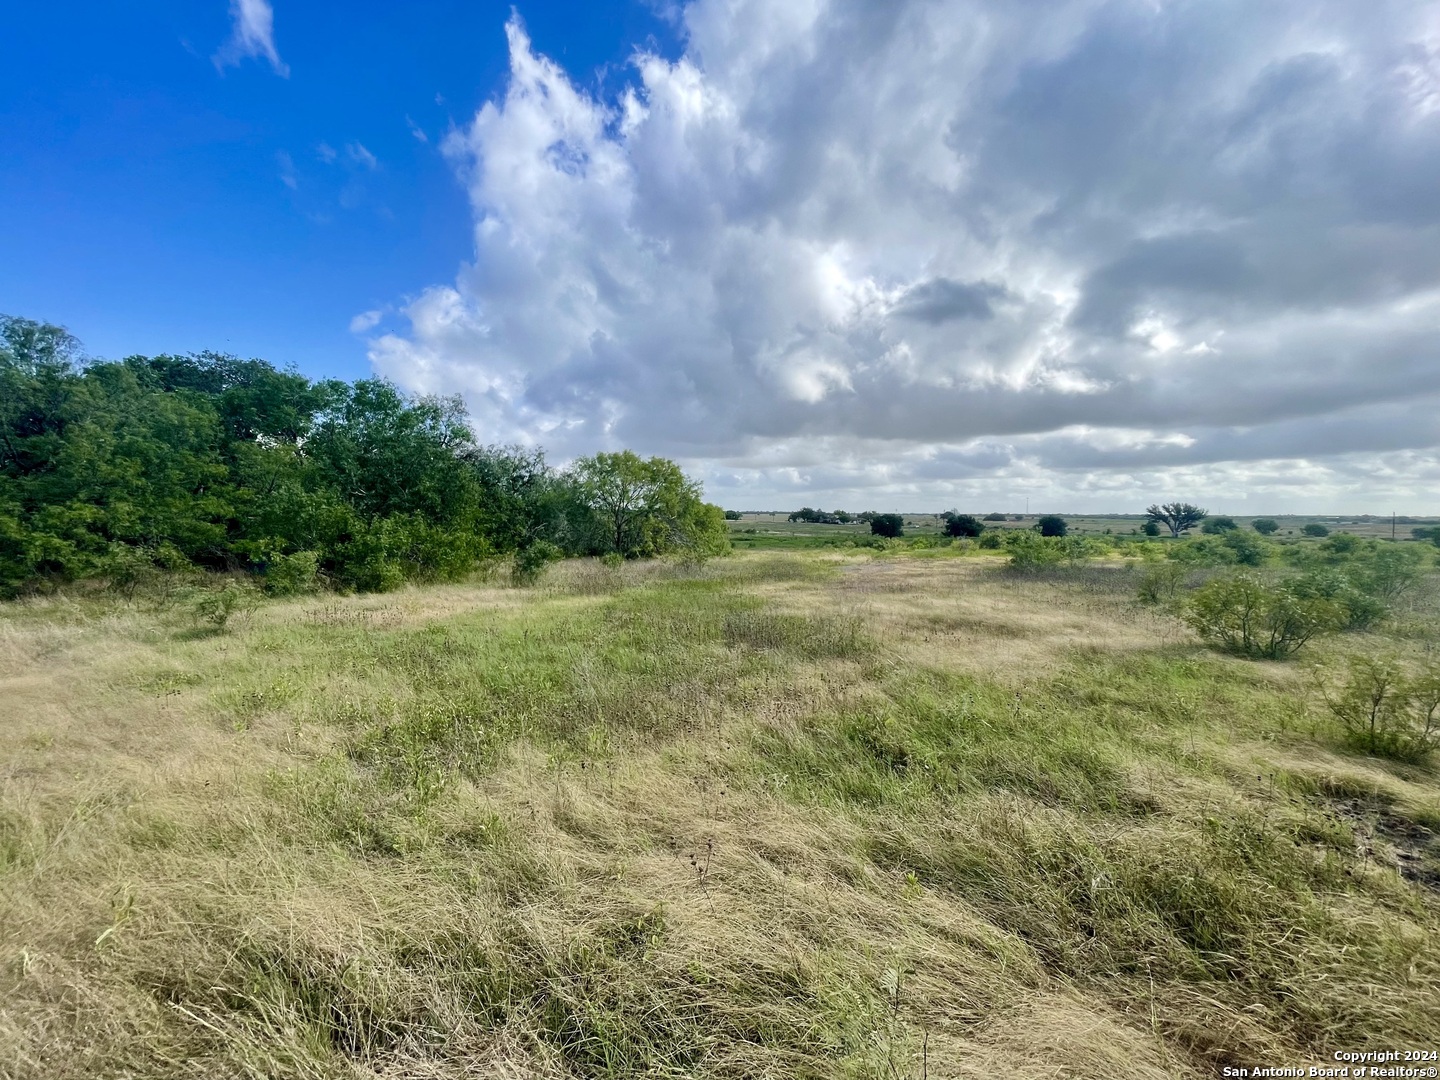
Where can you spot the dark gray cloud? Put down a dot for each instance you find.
(903, 248)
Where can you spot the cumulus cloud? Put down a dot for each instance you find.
(894, 251)
(253, 35)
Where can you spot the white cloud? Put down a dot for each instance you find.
(253, 35)
(417, 131)
(900, 252)
(361, 156)
(365, 321)
(325, 152)
(287, 170)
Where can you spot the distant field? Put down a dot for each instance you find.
(773, 529)
(786, 815)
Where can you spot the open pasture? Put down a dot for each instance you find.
(801, 814)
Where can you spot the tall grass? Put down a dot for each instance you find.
(808, 815)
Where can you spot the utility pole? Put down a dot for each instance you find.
(1392, 524)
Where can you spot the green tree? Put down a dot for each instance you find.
(1265, 526)
(1178, 517)
(647, 506)
(962, 525)
(1052, 525)
(889, 525)
(1151, 528)
(1216, 525)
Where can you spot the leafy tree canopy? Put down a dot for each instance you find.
(1178, 517)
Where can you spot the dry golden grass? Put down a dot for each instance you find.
(686, 822)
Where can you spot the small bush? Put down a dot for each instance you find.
(994, 517)
(1360, 610)
(1216, 525)
(290, 575)
(732, 515)
(530, 561)
(1029, 552)
(1244, 615)
(1265, 526)
(1161, 583)
(1315, 529)
(1151, 528)
(992, 539)
(214, 607)
(1386, 712)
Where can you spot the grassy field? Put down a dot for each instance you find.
(773, 530)
(798, 814)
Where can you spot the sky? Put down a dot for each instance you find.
(871, 254)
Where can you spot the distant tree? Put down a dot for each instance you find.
(732, 515)
(887, 525)
(1052, 525)
(843, 517)
(1178, 517)
(1151, 528)
(962, 525)
(1216, 525)
(1431, 533)
(994, 517)
(1315, 529)
(1265, 526)
(866, 517)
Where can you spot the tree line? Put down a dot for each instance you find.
(110, 469)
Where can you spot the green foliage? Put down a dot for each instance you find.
(1387, 711)
(1314, 528)
(1052, 525)
(732, 515)
(116, 470)
(1161, 583)
(962, 525)
(1029, 551)
(887, 525)
(1216, 525)
(291, 575)
(214, 607)
(1151, 528)
(530, 561)
(1247, 616)
(643, 507)
(1265, 526)
(994, 517)
(992, 539)
(1178, 517)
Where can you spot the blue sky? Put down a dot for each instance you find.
(153, 200)
(866, 253)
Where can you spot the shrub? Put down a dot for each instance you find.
(887, 525)
(1217, 525)
(1315, 529)
(992, 539)
(1151, 528)
(1052, 525)
(1244, 615)
(1246, 549)
(214, 607)
(994, 517)
(1030, 552)
(530, 561)
(289, 575)
(1359, 610)
(1160, 584)
(1386, 712)
(962, 525)
(1265, 526)
(732, 515)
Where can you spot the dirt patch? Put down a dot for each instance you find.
(1389, 837)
